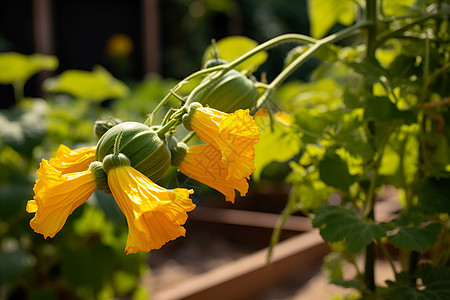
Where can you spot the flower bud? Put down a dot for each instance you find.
(186, 119)
(102, 126)
(231, 92)
(146, 152)
(177, 149)
(96, 168)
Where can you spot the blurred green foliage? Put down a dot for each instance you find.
(86, 260)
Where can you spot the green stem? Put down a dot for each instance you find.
(302, 58)
(167, 127)
(394, 33)
(388, 256)
(227, 67)
(117, 142)
(369, 272)
(188, 137)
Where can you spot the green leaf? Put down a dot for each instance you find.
(435, 284)
(321, 95)
(397, 7)
(382, 109)
(337, 223)
(416, 238)
(97, 85)
(232, 47)
(334, 172)
(279, 144)
(19, 67)
(323, 14)
(434, 195)
(356, 284)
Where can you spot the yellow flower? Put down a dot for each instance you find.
(154, 214)
(69, 161)
(234, 134)
(57, 195)
(204, 163)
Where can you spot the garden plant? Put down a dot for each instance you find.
(373, 114)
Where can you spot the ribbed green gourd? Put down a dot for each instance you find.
(141, 145)
(231, 92)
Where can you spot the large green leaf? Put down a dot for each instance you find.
(435, 284)
(434, 195)
(334, 172)
(323, 14)
(383, 110)
(278, 143)
(337, 223)
(232, 47)
(416, 238)
(398, 7)
(97, 85)
(19, 67)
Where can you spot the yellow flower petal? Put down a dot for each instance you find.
(57, 195)
(154, 214)
(234, 134)
(203, 163)
(69, 161)
(31, 206)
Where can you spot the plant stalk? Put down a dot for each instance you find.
(302, 58)
(371, 18)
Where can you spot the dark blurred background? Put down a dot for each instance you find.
(133, 38)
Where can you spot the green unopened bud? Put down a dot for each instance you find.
(231, 92)
(96, 168)
(186, 119)
(177, 149)
(146, 152)
(102, 126)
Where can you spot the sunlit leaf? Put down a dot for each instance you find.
(279, 143)
(397, 7)
(337, 223)
(321, 95)
(97, 85)
(323, 14)
(232, 47)
(416, 238)
(19, 67)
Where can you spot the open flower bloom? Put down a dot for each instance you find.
(69, 161)
(154, 214)
(204, 164)
(57, 195)
(234, 134)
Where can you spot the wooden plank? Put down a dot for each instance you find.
(251, 275)
(249, 218)
(150, 36)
